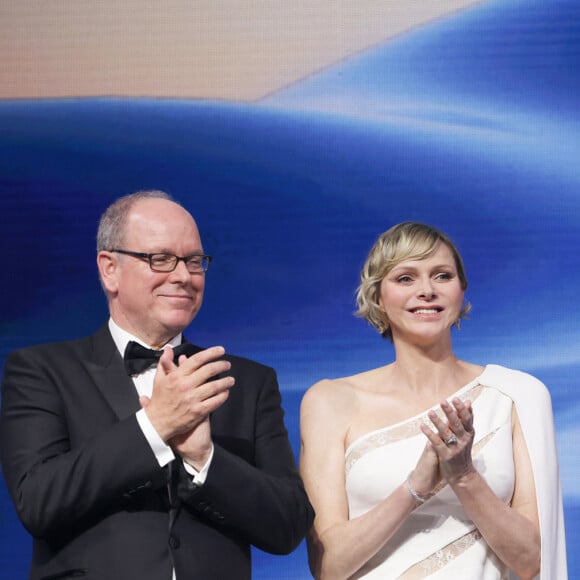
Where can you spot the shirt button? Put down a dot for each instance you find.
(174, 542)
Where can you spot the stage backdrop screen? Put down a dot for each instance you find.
(467, 119)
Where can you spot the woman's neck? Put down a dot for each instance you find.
(435, 369)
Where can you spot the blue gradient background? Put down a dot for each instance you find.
(471, 123)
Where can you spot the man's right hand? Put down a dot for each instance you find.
(183, 396)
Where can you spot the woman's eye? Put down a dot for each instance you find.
(444, 276)
(404, 279)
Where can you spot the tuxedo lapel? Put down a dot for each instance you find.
(105, 365)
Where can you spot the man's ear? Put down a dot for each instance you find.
(108, 267)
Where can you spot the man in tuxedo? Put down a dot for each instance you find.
(131, 453)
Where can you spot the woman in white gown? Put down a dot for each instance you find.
(429, 467)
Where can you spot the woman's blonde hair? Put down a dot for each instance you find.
(405, 241)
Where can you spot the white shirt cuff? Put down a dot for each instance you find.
(163, 453)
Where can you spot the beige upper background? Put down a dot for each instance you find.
(218, 49)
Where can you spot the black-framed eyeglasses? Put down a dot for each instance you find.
(162, 262)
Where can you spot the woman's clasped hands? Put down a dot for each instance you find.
(447, 455)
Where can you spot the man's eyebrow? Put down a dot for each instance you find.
(172, 253)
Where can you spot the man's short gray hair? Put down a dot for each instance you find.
(111, 232)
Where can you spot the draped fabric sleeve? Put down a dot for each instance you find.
(534, 406)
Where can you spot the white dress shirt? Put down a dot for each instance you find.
(144, 385)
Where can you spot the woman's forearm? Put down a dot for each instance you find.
(364, 536)
(512, 536)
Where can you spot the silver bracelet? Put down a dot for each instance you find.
(415, 495)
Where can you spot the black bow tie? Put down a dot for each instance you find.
(138, 358)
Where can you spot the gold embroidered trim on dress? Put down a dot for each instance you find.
(438, 560)
(397, 433)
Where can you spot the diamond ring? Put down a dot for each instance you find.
(451, 440)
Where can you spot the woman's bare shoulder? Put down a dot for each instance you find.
(326, 411)
(328, 391)
(340, 393)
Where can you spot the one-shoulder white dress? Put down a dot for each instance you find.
(438, 540)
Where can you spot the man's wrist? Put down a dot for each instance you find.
(199, 475)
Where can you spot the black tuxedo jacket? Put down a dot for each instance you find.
(88, 488)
